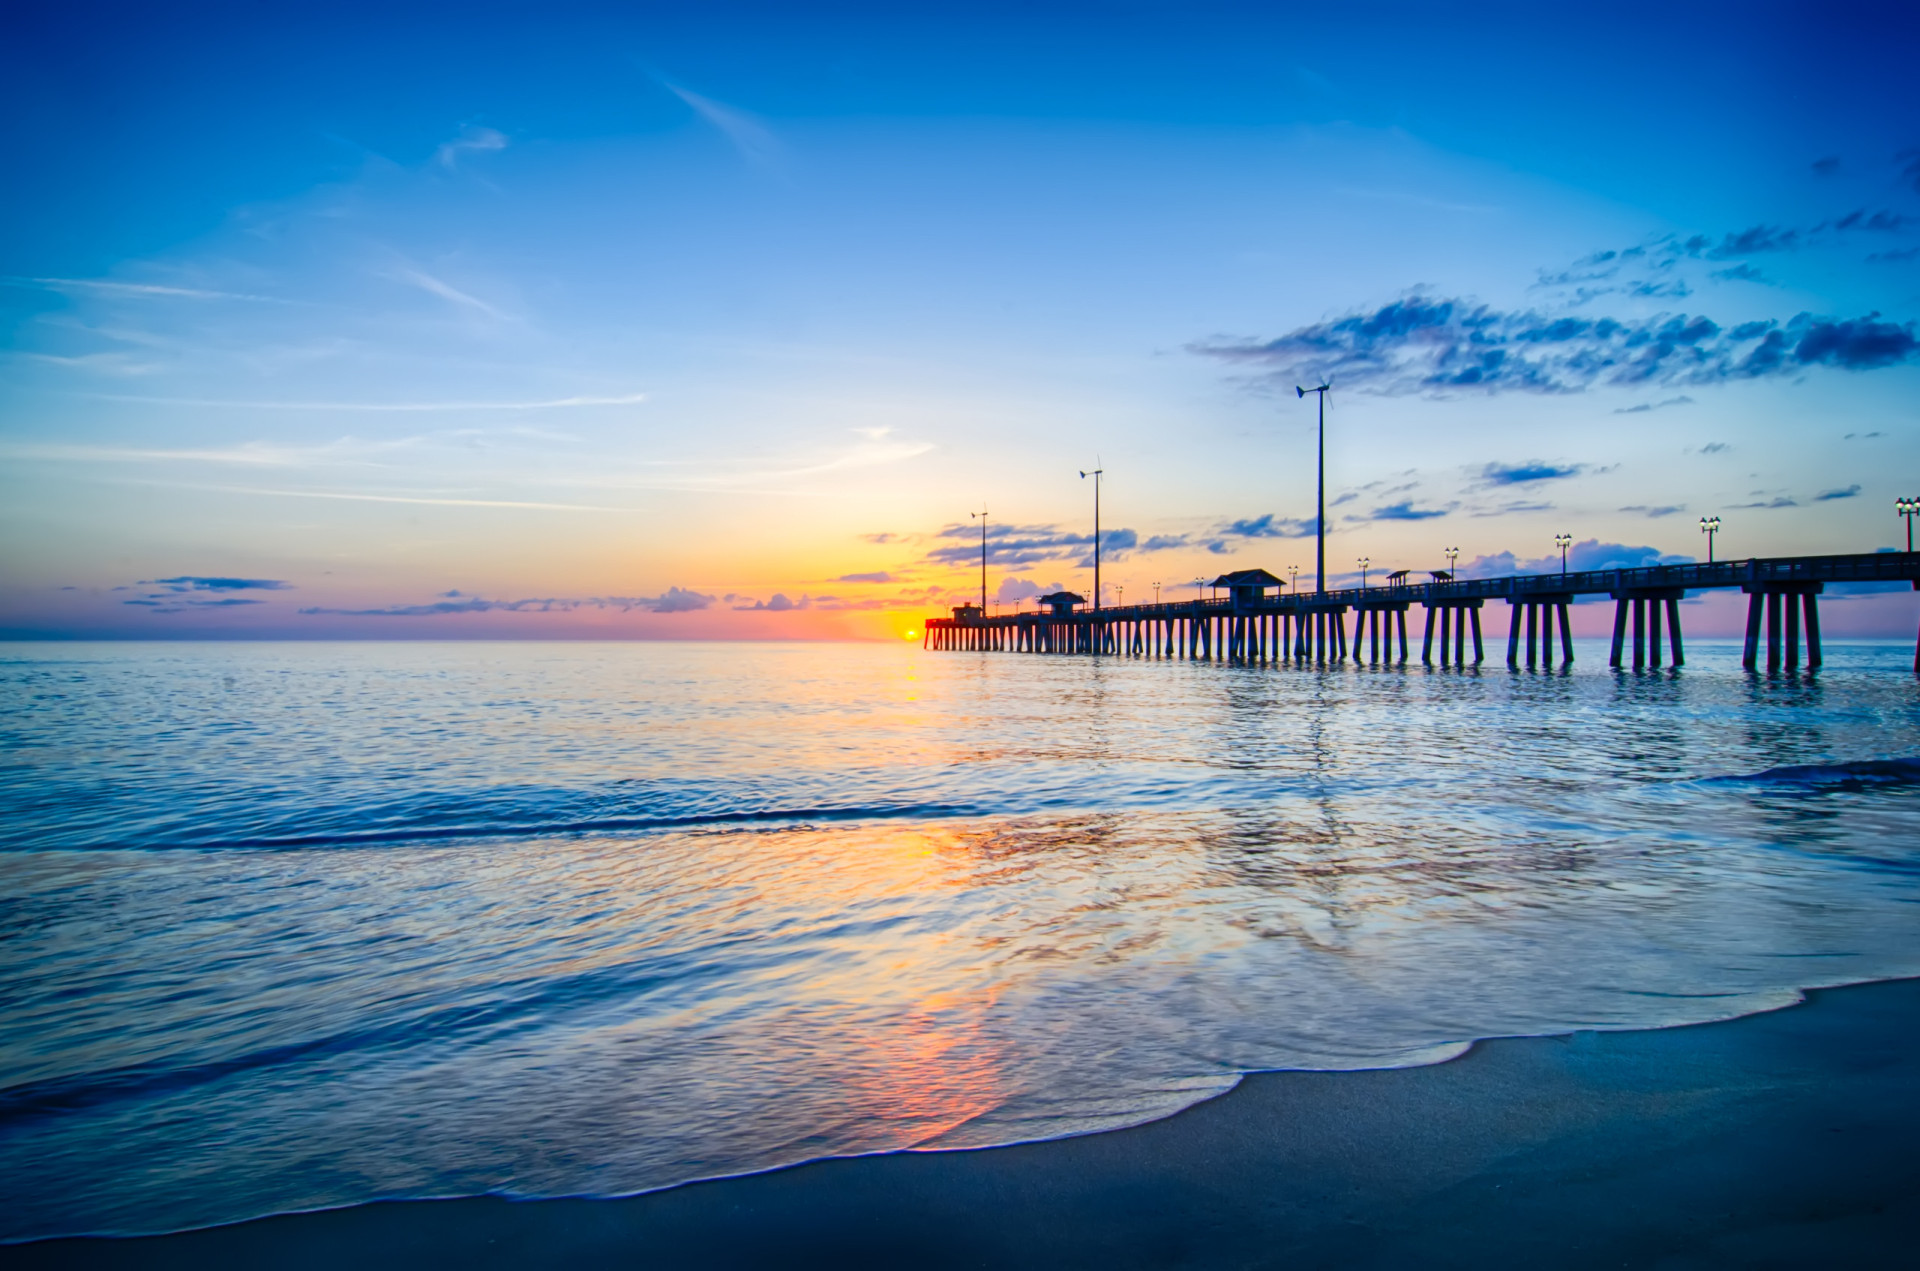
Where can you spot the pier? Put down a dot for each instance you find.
(1256, 621)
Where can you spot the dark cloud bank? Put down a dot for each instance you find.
(1429, 344)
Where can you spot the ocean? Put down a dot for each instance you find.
(290, 926)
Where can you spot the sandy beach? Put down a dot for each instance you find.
(1780, 1139)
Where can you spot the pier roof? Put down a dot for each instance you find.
(1248, 578)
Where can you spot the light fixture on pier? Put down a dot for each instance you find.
(1908, 508)
(1453, 555)
(1710, 525)
(1156, 593)
(1363, 562)
(1563, 542)
(1293, 577)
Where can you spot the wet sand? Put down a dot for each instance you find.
(1786, 1139)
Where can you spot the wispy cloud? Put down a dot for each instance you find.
(551, 403)
(752, 138)
(672, 600)
(472, 140)
(1659, 510)
(148, 290)
(1645, 407)
(446, 291)
(187, 592)
(1437, 346)
(1528, 473)
(202, 582)
(1846, 492)
(1270, 525)
(350, 496)
(1406, 511)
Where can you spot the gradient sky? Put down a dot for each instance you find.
(718, 320)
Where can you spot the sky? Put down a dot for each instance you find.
(725, 321)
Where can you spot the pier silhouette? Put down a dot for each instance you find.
(1249, 624)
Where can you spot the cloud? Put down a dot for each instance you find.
(1826, 167)
(1863, 436)
(1528, 473)
(1436, 346)
(1405, 511)
(1755, 241)
(182, 606)
(1893, 257)
(865, 578)
(1665, 509)
(779, 604)
(136, 290)
(550, 403)
(880, 538)
(196, 582)
(1715, 448)
(1778, 501)
(755, 142)
(1742, 272)
(1828, 496)
(1013, 590)
(1644, 407)
(1883, 222)
(673, 600)
(1269, 525)
(1591, 554)
(676, 600)
(1513, 506)
(473, 140)
(1909, 161)
(446, 291)
(1165, 543)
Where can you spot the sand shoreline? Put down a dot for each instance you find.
(1782, 1138)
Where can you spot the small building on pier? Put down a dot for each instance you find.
(968, 613)
(1246, 586)
(1060, 603)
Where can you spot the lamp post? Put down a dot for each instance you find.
(1293, 577)
(1156, 593)
(1908, 508)
(981, 516)
(1095, 474)
(1453, 555)
(1710, 525)
(1363, 562)
(1563, 542)
(1198, 583)
(1320, 513)
(1122, 589)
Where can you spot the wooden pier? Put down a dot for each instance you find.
(1248, 624)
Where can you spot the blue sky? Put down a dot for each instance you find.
(719, 320)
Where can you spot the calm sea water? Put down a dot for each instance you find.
(289, 926)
